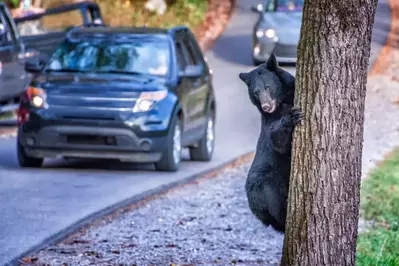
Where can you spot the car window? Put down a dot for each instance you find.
(180, 56)
(5, 38)
(191, 53)
(187, 56)
(141, 56)
(288, 5)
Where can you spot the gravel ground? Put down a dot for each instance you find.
(207, 223)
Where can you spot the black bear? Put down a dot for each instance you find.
(271, 89)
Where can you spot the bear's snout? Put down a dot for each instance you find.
(269, 107)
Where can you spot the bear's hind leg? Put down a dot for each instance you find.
(277, 205)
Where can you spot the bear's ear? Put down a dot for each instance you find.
(272, 63)
(245, 77)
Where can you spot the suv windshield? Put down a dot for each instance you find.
(287, 5)
(149, 56)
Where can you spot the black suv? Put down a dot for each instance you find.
(131, 94)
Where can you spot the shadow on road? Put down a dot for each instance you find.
(11, 163)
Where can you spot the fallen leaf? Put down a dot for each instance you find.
(128, 245)
(94, 253)
(29, 259)
(228, 229)
(171, 245)
(77, 241)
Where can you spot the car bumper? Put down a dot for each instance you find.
(99, 142)
(285, 53)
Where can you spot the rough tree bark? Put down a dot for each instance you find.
(324, 194)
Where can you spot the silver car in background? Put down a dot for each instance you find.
(277, 30)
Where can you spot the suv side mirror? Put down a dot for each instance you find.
(258, 9)
(191, 72)
(34, 65)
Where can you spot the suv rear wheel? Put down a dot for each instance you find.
(204, 150)
(171, 158)
(26, 161)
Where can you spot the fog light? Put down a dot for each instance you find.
(145, 145)
(30, 141)
(256, 50)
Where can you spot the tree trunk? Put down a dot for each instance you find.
(324, 194)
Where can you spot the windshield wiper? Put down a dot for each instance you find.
(121, 72)
(63, 70)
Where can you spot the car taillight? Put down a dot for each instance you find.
(32, 97)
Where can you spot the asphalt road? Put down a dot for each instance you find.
(38, 203)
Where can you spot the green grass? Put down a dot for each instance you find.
(379, 245)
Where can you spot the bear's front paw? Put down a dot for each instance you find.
(294, 117)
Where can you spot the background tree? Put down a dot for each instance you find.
(324, 195)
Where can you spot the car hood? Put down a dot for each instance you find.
(89, 95)
(97, 83)
(286, 24)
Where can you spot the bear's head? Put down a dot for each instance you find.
(269, 85)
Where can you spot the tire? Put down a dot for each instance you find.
(170, 162)
(206, 146)
(26, 161)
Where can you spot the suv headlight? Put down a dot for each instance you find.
(147, 100)
(270, 33)
(36, 96)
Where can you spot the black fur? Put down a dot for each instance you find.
(268, 178)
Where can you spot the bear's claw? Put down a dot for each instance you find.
(296, 116)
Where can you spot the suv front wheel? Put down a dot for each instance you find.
(171, 157)
(204, 150)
